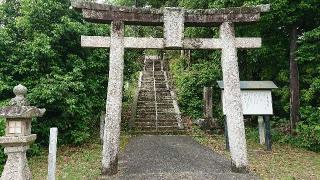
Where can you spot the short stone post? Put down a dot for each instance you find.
(207, 108)
(262, 135)
(18, 135)
(52, 154)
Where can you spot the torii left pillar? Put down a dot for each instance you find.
(114, 100)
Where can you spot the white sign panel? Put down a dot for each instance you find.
(254, 102)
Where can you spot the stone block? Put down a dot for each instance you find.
(173, 27)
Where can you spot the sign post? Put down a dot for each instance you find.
(256, 100)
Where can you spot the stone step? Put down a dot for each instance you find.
(158, 91)
(152, 82)
(158, 95)
(152, 100)
(152, 89)
(152, 106)
(144, 113)
(168, 100)
(153, 128)
(151, 86)
(155, 132)
(150, 73)
(162, 94)
(151, 79)
(153, 116)
(153, 124)
(159, 108)
(153, 121)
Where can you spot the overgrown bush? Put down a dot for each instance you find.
(189, 82)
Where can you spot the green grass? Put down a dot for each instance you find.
(73, 163)
(284, 162)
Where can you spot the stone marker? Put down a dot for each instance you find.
(262, 135)
(52, 154)
(207, 106)
(18, 135)
(173, 21)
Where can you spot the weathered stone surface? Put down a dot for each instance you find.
(158, 43)
(143, 43)
(18, 135)
(246, 43)
(149, 16)
(52, 156)
(262, 134)
(207, 99)
(208, 106)
(114, 101)
(20, 91)
(16, 167)
(21, 112)
(173, 27)
(18, 141)
(230, 69)
(95, 41)
(19, 106)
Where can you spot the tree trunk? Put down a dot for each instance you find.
(294, 81)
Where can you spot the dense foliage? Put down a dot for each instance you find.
(40, 48)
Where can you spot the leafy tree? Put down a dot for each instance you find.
(40, 48)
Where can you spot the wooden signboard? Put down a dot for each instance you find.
(256, 97)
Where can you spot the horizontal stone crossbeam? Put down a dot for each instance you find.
(102, 13)
(158, 43)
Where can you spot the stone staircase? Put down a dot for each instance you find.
(156, 110)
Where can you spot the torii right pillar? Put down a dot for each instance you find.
(234, 114)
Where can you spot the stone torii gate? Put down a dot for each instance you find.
(173, 20)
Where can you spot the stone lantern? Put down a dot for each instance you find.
(18, 135)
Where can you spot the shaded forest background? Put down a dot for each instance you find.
(40, 48)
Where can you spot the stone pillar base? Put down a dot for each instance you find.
(112, 170)
(241, 169)
(16, 167)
